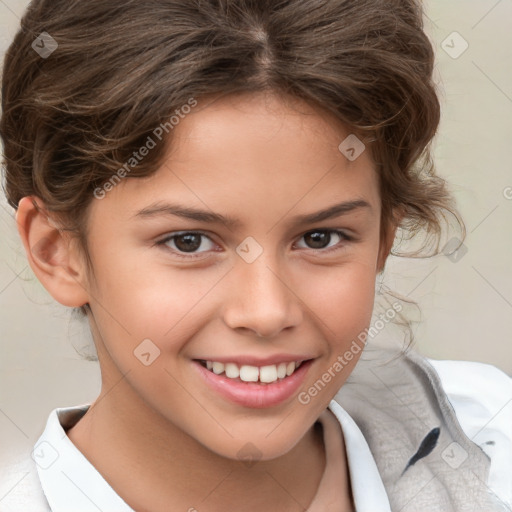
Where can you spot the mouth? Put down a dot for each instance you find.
(266, 374)
(254, 386)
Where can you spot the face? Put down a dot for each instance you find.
(256, 284)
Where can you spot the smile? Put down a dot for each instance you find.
(255, 386)
(247, 373)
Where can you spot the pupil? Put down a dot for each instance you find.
(191, 242)
(318, 239)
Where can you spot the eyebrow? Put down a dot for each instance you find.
(165, 209)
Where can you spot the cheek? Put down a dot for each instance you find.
(149, 300)
(342, 303)
(342, 299)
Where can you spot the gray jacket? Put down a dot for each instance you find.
(426, 461)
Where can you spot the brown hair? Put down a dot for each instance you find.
(72, 119)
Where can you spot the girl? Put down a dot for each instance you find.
(216, 185)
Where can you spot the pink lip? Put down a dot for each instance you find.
(252, 394)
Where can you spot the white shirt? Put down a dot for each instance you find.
(71, 483)
(67, 477)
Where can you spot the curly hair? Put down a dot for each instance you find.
(122, 67)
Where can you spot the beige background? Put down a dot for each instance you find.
(466, 306)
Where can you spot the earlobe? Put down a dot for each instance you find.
(51, 255)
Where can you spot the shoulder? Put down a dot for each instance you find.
(479, 392)
(481, 396)
(23, 491)
(484, 376)
(20, 475)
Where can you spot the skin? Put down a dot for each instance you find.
(263, 160)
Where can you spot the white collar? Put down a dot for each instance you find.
(69, 479)
(367, 486)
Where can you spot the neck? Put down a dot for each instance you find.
(173, 468)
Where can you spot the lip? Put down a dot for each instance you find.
(251, 394)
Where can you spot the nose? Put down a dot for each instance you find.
(260, 300)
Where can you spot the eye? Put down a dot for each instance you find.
(191, 244)
(188, 243)
(325, 239)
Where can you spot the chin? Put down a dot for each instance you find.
(256, 446)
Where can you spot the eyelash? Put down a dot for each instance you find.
(191, 256)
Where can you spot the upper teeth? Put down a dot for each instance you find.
(249, 373)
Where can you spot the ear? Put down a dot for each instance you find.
(387, 241)
(51, 255)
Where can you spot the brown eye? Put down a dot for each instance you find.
(324, 239)
(187, 243)
(317, 239)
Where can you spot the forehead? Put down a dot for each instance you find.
(256, 153)
(251, 122)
